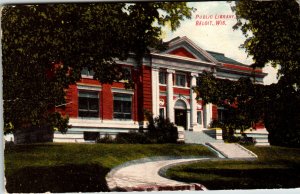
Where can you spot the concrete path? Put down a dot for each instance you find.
(233, 150)
(143, 175)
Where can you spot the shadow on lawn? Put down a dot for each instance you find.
(269, 178)
(28, 147)
(67, 178)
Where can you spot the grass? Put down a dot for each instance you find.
(77, 167)
(276, 167)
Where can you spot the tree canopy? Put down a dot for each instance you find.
(272, 36)
(272, 29)
(46, 46)
(242, 100)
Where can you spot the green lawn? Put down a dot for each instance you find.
(276, 167)
(77, 167)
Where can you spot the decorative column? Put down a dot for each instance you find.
(207, 114)
(155, 91)
(193, 102)
(170, 102)
(188, 115)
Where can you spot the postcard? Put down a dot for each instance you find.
(150, 96)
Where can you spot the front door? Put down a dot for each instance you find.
(180, 117)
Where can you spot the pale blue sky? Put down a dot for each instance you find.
(221, 39)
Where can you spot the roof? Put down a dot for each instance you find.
(222, 58)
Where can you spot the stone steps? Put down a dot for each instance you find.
(260, 137)
(200, 137)
(233, 150)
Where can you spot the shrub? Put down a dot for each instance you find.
(106, 139)
(161, 130)
(165, 131)
(244, 140)
(216, 124)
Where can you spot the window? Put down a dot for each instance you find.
(162, 77)
(88, 104)
(199, 117)
(122, 106)
(162, 112)
(86, 72)
(222, 114)
(180, 80)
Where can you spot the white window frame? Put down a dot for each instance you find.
(165, 77)
(85, 87)
(98, 95)
(164, 108)
(201, 117)
(175, 81)
(131, 111)
(122, 91)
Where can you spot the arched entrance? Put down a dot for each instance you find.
(180, 113)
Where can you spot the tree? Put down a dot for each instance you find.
(273, 36)
(242, 100)
(46, 46)
(281, 115)
(272, 31)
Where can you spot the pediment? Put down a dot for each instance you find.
(182, 51)
(184, 47)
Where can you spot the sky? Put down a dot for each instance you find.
(218, 38)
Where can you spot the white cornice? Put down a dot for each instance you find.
(120, 90)
(82, 86)
(169, 56)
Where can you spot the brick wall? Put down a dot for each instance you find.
(214, 112)
(107, 102)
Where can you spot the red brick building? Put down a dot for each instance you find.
(163, 85)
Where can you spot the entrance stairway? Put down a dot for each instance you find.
(199, 138)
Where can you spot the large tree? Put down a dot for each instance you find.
(272, 36)
(272, 29)
(242, 101)
(46, 46)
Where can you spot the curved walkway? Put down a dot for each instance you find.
(141, 175)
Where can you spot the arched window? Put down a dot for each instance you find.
(180, 104)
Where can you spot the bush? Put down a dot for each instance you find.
(159, 130)
(216, 124)
(244, 140)
(165, 131)
(106, 139)
(228, 132)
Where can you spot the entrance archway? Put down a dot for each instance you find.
(180, 113)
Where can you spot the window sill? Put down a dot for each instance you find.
(87, 77)
(89, 118)
(122, 119)
(182, 87)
